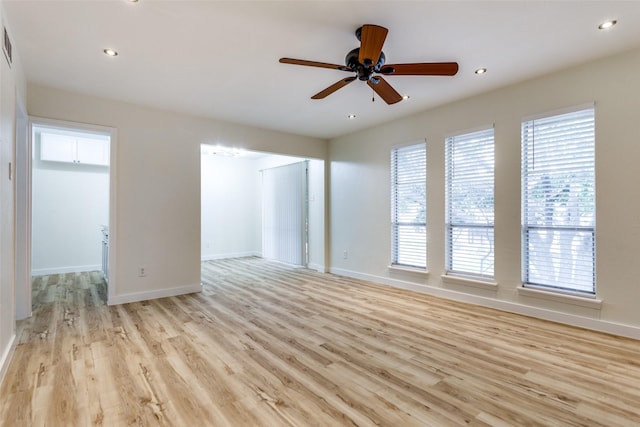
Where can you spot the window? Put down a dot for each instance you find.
(558, 202)
(408, 206)
(469, 203)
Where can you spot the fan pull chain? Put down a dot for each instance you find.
(373, 95)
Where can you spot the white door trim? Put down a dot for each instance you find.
(112, 132)
(23, 215)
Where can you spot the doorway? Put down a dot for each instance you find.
(233, 201)
(67, 197)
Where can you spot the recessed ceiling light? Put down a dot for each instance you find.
(607, 24)
(480, 71)
(110, 52)
(351, 116)
(405, 97)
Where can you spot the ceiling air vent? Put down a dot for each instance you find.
(6, 46)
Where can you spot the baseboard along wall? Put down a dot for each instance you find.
(65, 270)
(512, 307)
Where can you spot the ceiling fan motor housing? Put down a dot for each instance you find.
(363, 72)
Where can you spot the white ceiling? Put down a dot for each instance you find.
(219, 59)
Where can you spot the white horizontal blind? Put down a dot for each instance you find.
(469, 203)
(558, 201)
(408, 206)
(284, 213)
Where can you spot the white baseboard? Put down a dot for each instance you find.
(317, 267)
(512, 307)
(210, 257)
(161, 293)
(64, 270)
(6, 357)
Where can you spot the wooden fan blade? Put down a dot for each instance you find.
(385, 91)
(422, 69)
(313, 64)
(371, 40)
(334, 87)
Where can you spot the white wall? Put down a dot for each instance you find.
(158, 190)
(360, 192)
(230, 207)
(70, 203)
(12, 90)
(318, 241)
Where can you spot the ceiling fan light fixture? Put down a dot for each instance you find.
(110, 52)
(480, 71)
(405, 97)
(607, 24)
(362, 62)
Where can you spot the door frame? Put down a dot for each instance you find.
(23, 215)
(25, 203)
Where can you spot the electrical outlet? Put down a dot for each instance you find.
(142, 271)
(345, 255)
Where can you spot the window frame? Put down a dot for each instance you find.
(526, 226)
(397, 260)
(463, 137)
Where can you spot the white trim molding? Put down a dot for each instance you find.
(512, 307)
(413, 270)
(64, 270)
(211, 257)
(6, 357)
(317, 267)
(560, 297)
(161, 293)
(469, 281)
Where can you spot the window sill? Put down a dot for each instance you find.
(469, 281)
(582, 301)
(415, 270)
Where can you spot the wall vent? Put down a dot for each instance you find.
(6, 46)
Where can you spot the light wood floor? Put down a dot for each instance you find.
(270, 345)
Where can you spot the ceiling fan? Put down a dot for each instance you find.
(369, 60)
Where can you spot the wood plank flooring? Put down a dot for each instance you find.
(267, 344)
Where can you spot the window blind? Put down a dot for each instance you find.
(469, 180)
(408, 205)
(284, 213)
(558, 201)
